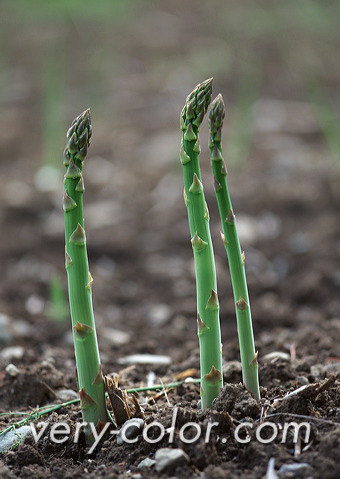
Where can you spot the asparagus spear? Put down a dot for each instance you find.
(206, 288)
(90, 377)
(236, 257)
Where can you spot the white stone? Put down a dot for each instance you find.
(167, 458)
(12, 370)
(12, 352)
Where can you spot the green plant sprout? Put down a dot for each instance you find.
(208, 325)
(90, 377)
(236, 257)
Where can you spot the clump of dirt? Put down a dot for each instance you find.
(33, 386)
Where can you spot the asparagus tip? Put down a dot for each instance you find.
(196, 104)
(217, 111)
(216, 117)
(79, 136)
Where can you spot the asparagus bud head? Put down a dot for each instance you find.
(196, 105)
(79, 136)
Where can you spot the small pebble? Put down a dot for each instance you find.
(11, 328)
(293, 468)
(116, 337)
(317, 370)
(12, 370)
(101, 467)
(168, 459)
(302, 380)
(67, 395)
(299, 243)
(14, 436)
(47, 178)
(147, 462)
(130, 430)
(12, 352)
(145, 359)
(276, 355)
(21, 327)
(159, 314)
(150, 379)
(5, 329)
(35, 304)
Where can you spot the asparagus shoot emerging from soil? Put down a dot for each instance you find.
(90, 377)
(236, 257)
(206, 289)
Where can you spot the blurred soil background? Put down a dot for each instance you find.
(133, 63)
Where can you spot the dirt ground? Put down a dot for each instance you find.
(285, 190)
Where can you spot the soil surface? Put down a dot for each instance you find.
(285, 192)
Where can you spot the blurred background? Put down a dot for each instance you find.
(133, 63)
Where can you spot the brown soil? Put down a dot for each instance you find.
(286, 198)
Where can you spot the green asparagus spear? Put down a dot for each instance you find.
(236, 257)
(206, 288)
(90, 377)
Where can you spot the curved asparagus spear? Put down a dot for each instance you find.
(90, 377)
(207, 301)
(236, 258)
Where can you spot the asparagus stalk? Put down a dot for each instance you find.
(236, 257)
(206, 288)
(90, 377)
